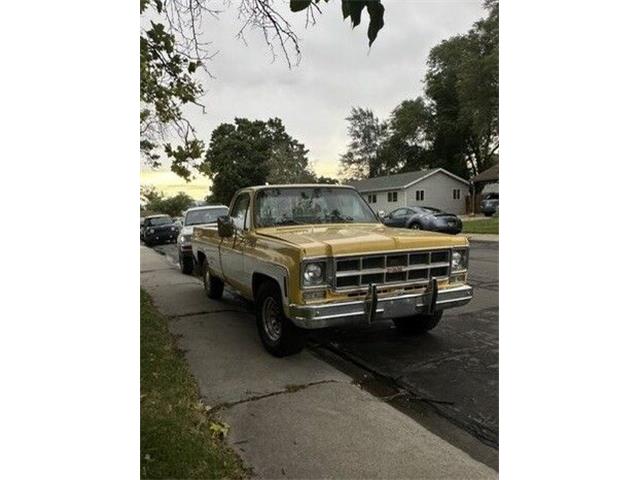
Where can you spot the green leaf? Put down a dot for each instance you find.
(299, 5)
(376, 20)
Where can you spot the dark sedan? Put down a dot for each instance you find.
(159, 229)
(424, 218)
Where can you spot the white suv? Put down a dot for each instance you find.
(206, 215)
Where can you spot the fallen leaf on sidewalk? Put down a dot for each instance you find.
(220, 429)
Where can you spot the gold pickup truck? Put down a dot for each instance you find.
(316, 256)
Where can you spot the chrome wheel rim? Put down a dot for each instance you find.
(415, 226)
(270, 319)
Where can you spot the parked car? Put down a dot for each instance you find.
(424, 218)
(207, 215)
(158, 229)
(316, 256)
(489, 204)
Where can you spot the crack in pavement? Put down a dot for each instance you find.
(288, 390)
(205, 312)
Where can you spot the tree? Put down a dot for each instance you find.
(368, 134)
(288, 163)
(461, 86)
(176, 205)
(155, 201)
(172, 52)
(244, 154)
(327, 180)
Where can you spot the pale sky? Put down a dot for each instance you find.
(337, 71)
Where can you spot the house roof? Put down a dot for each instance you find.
(488, 175)
(398, 181)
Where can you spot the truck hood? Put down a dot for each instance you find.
(352, 239)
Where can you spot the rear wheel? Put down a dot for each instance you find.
(418, 323)
(213, 286)
(278, 334)
(488, 214)
(415, 226)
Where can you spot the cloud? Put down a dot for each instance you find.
(337, 71)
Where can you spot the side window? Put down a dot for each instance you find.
(239, 211)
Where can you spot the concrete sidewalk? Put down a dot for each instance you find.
(295, 417)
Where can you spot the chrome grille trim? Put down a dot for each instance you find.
(397, 274)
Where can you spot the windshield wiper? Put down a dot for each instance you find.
(284, 223)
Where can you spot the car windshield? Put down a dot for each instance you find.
(205, 215)
(310, 205)
(160, 221)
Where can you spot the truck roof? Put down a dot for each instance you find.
(297, 185)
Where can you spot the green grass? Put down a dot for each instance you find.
(485, 225)
(179, 438)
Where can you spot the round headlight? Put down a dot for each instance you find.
(151, 230)
(181, 238)
(313, 274)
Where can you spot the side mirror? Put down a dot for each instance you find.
(381, 214)
(225, 226)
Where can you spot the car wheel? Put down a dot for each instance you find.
(213, 286)
(186, 264)
(415, 226)
(278, 334)
(418, 323)
(488, 214)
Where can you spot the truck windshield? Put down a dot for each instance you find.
(310, 205)
(205, 215)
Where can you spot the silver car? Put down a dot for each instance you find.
(207, 215)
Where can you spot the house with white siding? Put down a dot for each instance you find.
(430, 188)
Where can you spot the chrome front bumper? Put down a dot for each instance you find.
(354, 312)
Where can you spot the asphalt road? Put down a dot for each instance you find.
(454, 368)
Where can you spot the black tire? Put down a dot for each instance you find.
(213, 286)
(415, 226)
(278, 334)
(488, 214)
(418, 323)
(186, 264)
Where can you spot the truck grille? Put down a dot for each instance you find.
(391, 268)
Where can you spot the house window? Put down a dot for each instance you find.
(375, 198)
(372, 198)
(456, 194)
(419, 195)
(392, 196)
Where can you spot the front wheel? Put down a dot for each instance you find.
(415, 226)
(418, 323)
(278, 334)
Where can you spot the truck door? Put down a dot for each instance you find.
(233, 249)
